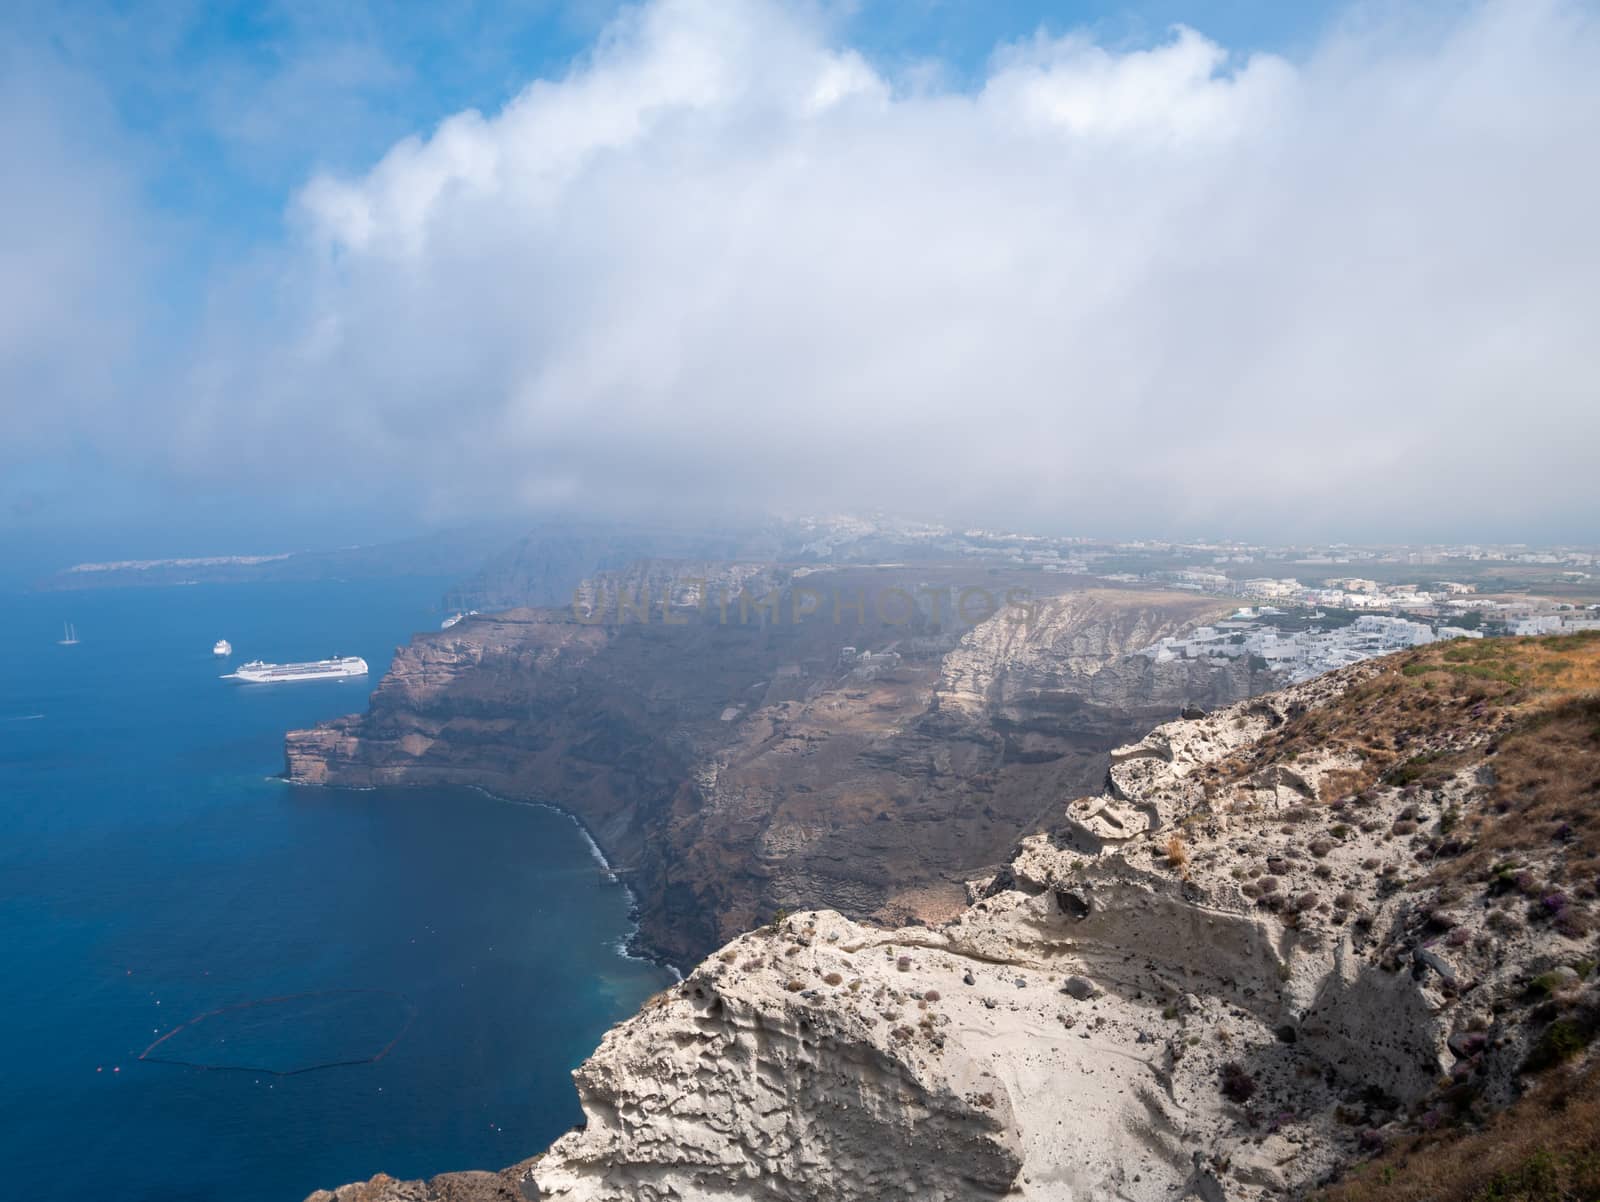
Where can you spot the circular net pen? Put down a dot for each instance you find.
(291, 1034)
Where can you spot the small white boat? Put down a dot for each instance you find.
(222, 647)
(69, 635)
(457, 618)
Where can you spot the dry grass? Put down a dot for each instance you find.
(1571, 663)
(1177, 851)
(1342, 783)
(1545, 799)
(1398, 724)
(1527, 710)
(1545, 1148)
(1550, 669)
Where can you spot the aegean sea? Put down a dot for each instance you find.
(340, 982)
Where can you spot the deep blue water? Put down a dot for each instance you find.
(152, 870)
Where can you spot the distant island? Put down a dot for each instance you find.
(447, 554)
(204, 561)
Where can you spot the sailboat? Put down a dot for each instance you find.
(69, 635)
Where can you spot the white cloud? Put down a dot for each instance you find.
(726, 262)
(68, 255)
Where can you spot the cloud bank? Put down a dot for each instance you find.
(726, 264)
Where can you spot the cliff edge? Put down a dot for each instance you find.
(1286, 936)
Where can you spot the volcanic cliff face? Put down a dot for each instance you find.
(738, 761)
(1285, 935)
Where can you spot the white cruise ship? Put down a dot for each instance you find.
(222, 647)
(256, 672)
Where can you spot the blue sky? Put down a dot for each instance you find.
(1017, 239)
(227, 107)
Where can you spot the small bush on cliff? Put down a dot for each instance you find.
(1237, 1083)
(1562, 1040)
(1177, 852)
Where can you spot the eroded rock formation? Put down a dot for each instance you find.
(1283, 935)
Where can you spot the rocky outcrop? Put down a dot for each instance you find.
(1227, 975)
(1083, 644)
(510, 1185)
(1074, 662)
(740, 761)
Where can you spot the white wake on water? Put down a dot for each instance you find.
(622, 946)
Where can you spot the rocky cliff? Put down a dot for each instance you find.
(740, 760)
(1351, 916)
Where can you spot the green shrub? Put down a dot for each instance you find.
(1560, 1042)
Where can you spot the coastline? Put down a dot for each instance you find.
(631, 946)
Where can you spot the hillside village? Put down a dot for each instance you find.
(1301, 654)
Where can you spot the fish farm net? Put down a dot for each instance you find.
(296, 1033)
